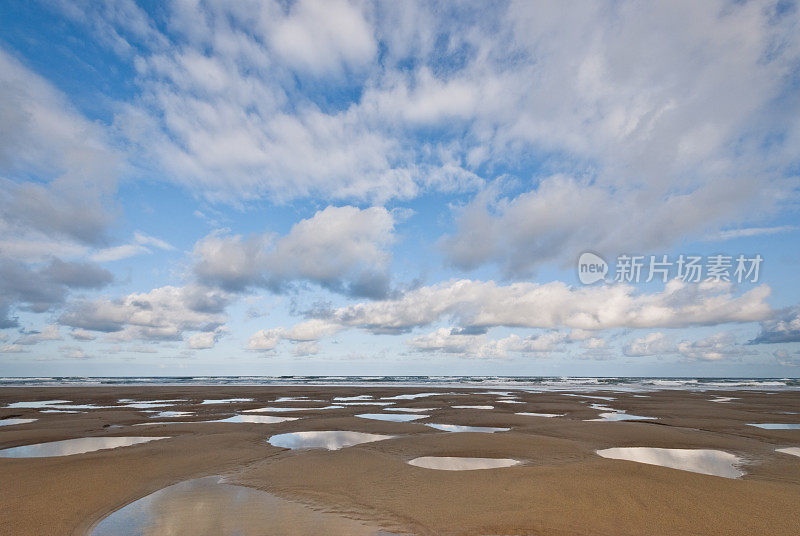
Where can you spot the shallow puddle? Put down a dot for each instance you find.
(412, 410)
(225, 400)
(794, 451)
(473, 407)
(777, 426)
(413, 396)
(621, 416)
(331, 440)
(590, 396)
(460, 428)
(447, 463)
(531, 414)
(146, 405)
(393, 417)
(171, 414)
(272, 409)
(68, 447)
(259, 419)
(12, 422)
(365, 403)
(723, 399)
(209, 506)
(359, 397)
(37, 404)
(704, 461)
(611, 414)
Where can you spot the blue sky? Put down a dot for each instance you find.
(396, 187)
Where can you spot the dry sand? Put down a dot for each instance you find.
(561, 488)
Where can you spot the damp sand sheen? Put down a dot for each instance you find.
(209, 506)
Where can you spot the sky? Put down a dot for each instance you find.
(346, 188)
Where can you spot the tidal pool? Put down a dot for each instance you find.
(68, 447)
(210, 506)
(448, 463)
(460, 428)
(777, 426)
(12, 422)
(704, 461)
(331, 440)
(794, 451)
(272, 409)
(37, 404)
(393, 417)
(413, 396)
(531, 414)
(171, 414)
(365, 403)
(621, 416)
(259, 419)
(611, 414)
(225, 400)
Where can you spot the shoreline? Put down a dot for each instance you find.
(560, 467)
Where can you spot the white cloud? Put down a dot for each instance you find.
(303, 349)
(341, 248)
(452, 342)
(323, 37)
(655, 343)
(47, 333)
(729, 234)
(138, 247)
(265, 339)
(714, 348)
(204, 340)
(43, 137)
(782, 327)
(556, 305)
(117, 253)
(162, 314)
(147, 240)
(82, 335)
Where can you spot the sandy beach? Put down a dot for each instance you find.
(561, 486)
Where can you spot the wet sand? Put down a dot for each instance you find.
(562, 487)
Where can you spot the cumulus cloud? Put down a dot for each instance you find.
(714, 348)
(57, 177)
(564, 216)
(343, 249)
(48, 333)
(305, 336)
(783, 327)
(453, 342)
(556, 305)
(656, 343)
(203, 340)
(40, 288)
(162, 314)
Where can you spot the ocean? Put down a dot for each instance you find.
(531, 383)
